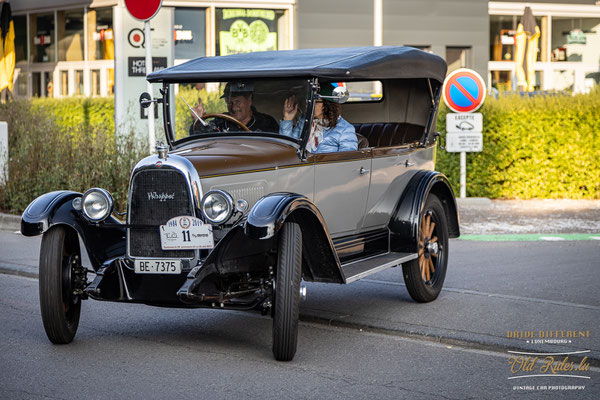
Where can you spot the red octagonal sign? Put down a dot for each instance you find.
(143, 9)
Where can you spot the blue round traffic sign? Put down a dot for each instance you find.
(464, 91)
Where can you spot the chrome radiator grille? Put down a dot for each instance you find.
(156, 197)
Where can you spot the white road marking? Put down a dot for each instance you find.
(552, 238)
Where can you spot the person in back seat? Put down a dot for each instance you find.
(329, 132)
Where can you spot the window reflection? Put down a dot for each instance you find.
(42, 38)
(70, 35)
(101, 44)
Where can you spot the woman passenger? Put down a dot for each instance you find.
(329, 132)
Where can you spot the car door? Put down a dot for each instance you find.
(341, 189)
(390, 174)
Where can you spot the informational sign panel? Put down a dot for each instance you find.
(464, 91)
(130, 67)
(467, 142)
(472, 122)
(247, 30)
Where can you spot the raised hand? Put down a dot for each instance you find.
(198, 108)
(290, 108)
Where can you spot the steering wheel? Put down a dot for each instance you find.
(225, 117)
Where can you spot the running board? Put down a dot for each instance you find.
(359, 269)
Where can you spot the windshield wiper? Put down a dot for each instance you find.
(203, 122)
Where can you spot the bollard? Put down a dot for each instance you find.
(3, 152)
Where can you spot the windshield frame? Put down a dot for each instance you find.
(170, 135)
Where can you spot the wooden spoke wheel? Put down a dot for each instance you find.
(424, 276)
(226, 117)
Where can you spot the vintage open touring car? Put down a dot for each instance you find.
(234, 214)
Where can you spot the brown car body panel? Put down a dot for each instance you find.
(233, 155)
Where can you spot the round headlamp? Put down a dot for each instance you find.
(217, 206)
(97, 204)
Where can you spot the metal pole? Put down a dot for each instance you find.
(148, 44)
(463, 174)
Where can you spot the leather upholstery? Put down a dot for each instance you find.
(385, 134)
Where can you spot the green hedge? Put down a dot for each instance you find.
(539, 147)
(64, 145)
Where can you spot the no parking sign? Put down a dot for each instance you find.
(464, 91)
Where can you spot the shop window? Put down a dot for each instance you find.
(95, 82)
(20, 24)
(457, 57)
(49, 84)
(64, 83)
(243, 30)
(575, 39)
(21, 86)
(110, 72)
(190, 33)
(502, 36)
(79, 82)
(70, 35)
(36, 84)
(101, 44)
(42, 45)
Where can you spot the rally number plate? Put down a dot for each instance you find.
(186, 233)
(162, 266)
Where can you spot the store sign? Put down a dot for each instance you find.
(247, 30)
(137, 65)
(183, 35)
(130, 67)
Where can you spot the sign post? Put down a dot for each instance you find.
(144, 10)
(464, 92)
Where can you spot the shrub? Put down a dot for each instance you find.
(52, 147)
(540, 147)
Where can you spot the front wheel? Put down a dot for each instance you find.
(424, 276)
(60, 267)
(286, 301)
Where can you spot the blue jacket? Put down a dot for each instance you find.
(341, 137)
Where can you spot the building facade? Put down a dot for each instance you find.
(67, 47)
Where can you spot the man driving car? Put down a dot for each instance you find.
(238, 96)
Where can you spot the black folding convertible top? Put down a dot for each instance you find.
(349, 63)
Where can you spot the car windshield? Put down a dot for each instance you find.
(236, 107)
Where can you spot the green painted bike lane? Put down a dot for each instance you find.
(532, 237)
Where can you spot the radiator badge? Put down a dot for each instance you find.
(161, 196)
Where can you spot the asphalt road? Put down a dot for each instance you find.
(364, 340)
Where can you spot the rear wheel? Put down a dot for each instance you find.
(60, 264)
(424, 276)
(286, 301)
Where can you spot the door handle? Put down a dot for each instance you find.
(363, 171)
(409, 164)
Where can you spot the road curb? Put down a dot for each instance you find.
(9, 222)
(19, 270)
(474, 202)
(436, 335)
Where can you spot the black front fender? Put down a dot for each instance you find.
(320, 260)
(103, 241)
(404, 225)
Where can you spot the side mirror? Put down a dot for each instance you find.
(145, 100)
(340, 95)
